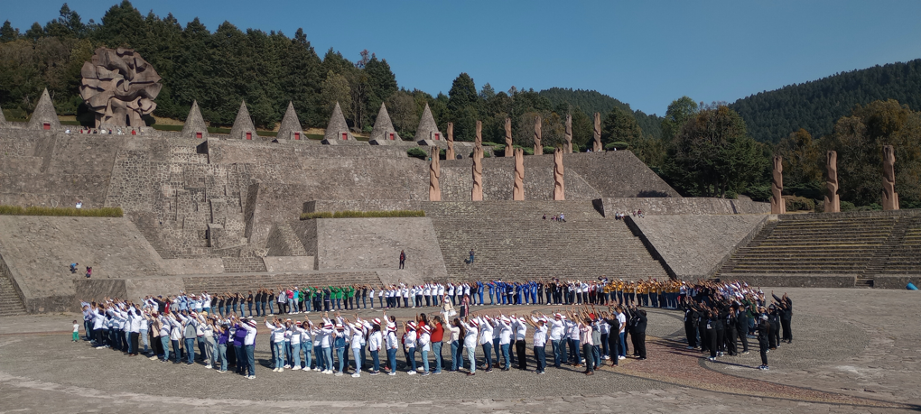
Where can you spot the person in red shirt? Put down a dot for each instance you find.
(437, 335)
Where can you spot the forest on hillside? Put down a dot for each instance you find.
(816, 106)
(711, 150)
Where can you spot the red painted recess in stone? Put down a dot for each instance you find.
(198, 134)
(249, 135)
(345, 136)
(436, 136)
(297, 135)
(392, 136)
(46, 126)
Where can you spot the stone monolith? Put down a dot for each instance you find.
(537, 138)
(477, 174)
(450, 152)
(435, 193)
(518, 187)
(890, 200)
(568, 134)
(831, 201)
(558, 174)
(597, 133)
(508, 137)
(777, 201)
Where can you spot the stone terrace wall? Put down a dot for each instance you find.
(687, 205)
(618, 174)
(695, 246)
(291, 152)
(55, 169)
(498, 179)
(38, 251)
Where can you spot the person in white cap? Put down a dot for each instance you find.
(521, 329)
(339, 343)
(391, 344)
(409, 347)
(504, 326)
(326, 346)
(469, 331)
(374, 345)
(540, 341)
(358, 338)
(425, 345)
(486, 341)
(249, 345)
(557, 328)
(276, 340)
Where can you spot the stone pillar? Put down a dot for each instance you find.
(568, 134)
(558, 174)
(450, 152)
(538, 148)
(597, 133)
(477, 174)
(777, 185)
(518, 187)
(890, 200)
(435, 193)
(508, 137)
(478, 136)
(831, 201)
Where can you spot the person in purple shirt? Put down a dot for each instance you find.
(223, 333)
(240, 356)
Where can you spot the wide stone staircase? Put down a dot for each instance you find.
(10, 302)
(828, 246)
(511, 241)
(243, 264)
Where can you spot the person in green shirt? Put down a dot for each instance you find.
(350, 295)
(337, 297)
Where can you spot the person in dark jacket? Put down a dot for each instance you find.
(764, 334)
(639, 332)
(742, 327)
(784, 305)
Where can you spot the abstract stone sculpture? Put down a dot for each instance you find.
(777, 185)
(508, 137)
(538, 148)
(477, 174)
(558, 174)
(383, 132)
(195, 126)
(597, 133)
(435, 193)
(337, 130)
(891, 200)
(831, 201)
(450, 152)
(518, 187)
(568, 134)
(44, 117)
(478, 136)
(119, 86)
(290, 127)
(243, 126)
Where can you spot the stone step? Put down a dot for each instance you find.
(243, 264)
(10, 302)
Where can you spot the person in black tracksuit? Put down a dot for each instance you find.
(730, 332)
(710, 336)
(774, 327)
(691, 326)
(639, 332)
(720, 331)
(764, 334)
(742, 327)
(784, 305)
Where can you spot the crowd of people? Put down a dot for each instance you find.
(586, 332)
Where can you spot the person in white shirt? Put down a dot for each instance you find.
(425, 345)
(391, 344)
(358, 339)
(540, 341)
(276, 340)
(521, 329)
(504, 329)
(409, 346)
(557, 328)
(375, 340)
(249, 345)
(486, 341)
(470, 333)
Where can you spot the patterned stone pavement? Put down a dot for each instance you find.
(845, 358)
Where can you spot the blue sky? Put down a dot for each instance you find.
(645, 53)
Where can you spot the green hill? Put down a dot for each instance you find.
(590, 102)
(817, 105)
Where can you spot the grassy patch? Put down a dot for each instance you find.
(61, 211)
(363, 214)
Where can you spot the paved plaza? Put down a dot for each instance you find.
(854, 350)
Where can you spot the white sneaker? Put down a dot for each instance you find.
(411, 372)
(356, 375)
(306, 369)
(286, 366)
(620, 358)
(338, 374)
(317, 369)
(208, 366)
(328, 371)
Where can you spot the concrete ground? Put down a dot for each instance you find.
(854, 350)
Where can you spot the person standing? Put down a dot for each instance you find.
(763, 329)
(540, 341)
(470, 260)
(521, 329)
(403, 258)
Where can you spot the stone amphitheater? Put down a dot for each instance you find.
(206, 211)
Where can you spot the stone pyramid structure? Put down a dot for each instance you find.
(337, 131)
(2, 119)
(428, 131)
(44, 116)
(290, 128)
(243, 125)
(383, 133)
(195, 126)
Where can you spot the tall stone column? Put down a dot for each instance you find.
(831, 201)
(477, 174)
(435, 192)
(777, 185)
(478, 134)
(558, 174)
(890, 200)
(450, 152)
(597, 133)
(538, 148)
(518, 187)
(568, 134)
(508, 137)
